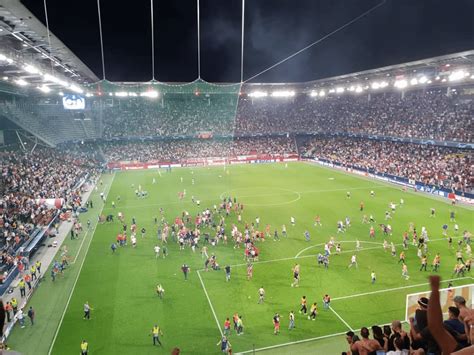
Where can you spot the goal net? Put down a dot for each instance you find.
(446, 298)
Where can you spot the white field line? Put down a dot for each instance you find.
(299, 193)
(77, 276)
(80, 247)
(395, 289)
(341, 319)
(210, 303)
(292, 343)
(300, 257)
(342, 241)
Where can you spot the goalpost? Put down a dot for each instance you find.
(446, 298)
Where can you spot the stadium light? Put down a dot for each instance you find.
(437, 78)
(383, 84)
(89, 94)
(423, 80)
(313, 93)
(53, 79)
(134, 94)
(400, 84)
(121, 94)
(258, 94)
(283, 93)
(44, 89)
(414, 81)
(456, 75)
(60, 93)
(472, 76)
(31, 69)
(5, 78)
(76, 89)
(358, 89)
(375, 85)
(340, 90)
(429, 82)
(151, 94)
(322, 93)
(6, 59)
(332, 91)
(21, 82)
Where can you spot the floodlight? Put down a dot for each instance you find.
(132, 94)
(5, 78)
(400, 84)
(258, 94)
(332, 91)
(313, 93)
(60, 93)
(31, 69)
(414, 81)
(375, 85)
(456, 75)
(340, 90)
(44, 89)
(383, 84)
(423, 80)
(151, 94)
(76, 89)
(121, 94)
(283, 93)
(322, 93)
(21, 82)
(358, 89)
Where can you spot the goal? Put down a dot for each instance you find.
(446, 298)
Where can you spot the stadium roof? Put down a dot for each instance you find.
(24, 38)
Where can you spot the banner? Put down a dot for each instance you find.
(51, 203)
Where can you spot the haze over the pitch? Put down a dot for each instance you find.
(396, 32)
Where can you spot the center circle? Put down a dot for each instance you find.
(262, 196)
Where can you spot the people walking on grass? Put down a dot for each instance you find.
(326, 301)
(156, 332)
(225, 345)
(291, 319)
(227, 273)
(314, 311)
(87, 311)
(21, 318)
(261, 295)
(276, 324)
(84, 347)
(185, 269)
(227, 326)
(160, 291)
(31, 315)
(303, 303)
(373, 277)
(296, 276)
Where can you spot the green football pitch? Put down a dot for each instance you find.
(120, 287)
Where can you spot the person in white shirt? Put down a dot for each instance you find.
(353, 261)
(157, 251)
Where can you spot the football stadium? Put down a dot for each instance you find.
(215, 189)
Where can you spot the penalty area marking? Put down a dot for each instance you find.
(341, 319)
(395, 289)
(210, 303)
(78, 274)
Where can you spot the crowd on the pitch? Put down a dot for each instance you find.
(419, 114)
(434, 165)
(177, 150)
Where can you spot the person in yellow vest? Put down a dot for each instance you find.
(38, 266)
(14, 304)
(22, 286)
(33, 272)
(84, 347)
(156, 332)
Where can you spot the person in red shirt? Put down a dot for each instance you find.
(276, 324)
(227, 327)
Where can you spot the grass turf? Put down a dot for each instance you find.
(120, 287)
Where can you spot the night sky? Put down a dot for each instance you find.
(397, 32)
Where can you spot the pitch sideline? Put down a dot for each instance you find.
(78, 273)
